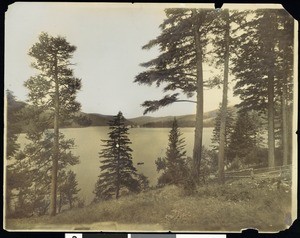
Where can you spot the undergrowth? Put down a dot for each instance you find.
(229, 207)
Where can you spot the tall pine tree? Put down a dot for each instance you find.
(117, 169)
(179, 67)
(258, 70)
(54, 89)
(226, 23)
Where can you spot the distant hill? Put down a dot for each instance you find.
(183, 121)
(96, 119)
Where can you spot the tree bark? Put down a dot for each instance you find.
(221, 155)
(56, 143)
(271, 137)
(60, 201)
(290, 132)
(284, 122)
(284, 104)
(118, 168)
(197, 151)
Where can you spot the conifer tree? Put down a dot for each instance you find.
(68, 189)
(53, 89)
(224, 41)
(229, 127)
(13, 128)
(285, 84)
(245, 137)
(33, 164)
(173, 165)
(259, 88)
(179, 67)
(117, 169)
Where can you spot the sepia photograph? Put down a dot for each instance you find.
(149, 117)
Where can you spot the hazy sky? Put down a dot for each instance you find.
(109, 40)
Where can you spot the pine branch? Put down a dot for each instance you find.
(154, 105)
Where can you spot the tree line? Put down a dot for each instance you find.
(40, 176)
(256, 47)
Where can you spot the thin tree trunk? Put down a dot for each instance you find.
(221, 155)
(290, 132)
(271, 137)
(284, 104)
(284, 123)
(197, 151)
(56, 144)
(270, 74)
(60, 201)
(71, 202)
(118, 169)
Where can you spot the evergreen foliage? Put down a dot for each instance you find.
(53, 89)
(230, 123)
(12, 124)
(117, 169)
(179, 67)
(245, 139)
(12, 146)
(264, 51)
(30, 174)
(174, 164)
(68, 189)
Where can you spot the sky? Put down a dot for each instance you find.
(109, 40)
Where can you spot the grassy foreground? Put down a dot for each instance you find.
(234, 206)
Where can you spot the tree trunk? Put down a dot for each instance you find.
(56, 144)
(290, 132)
(221, 156)
(284, 122)
(197, 151)
(60, 202)
(284, 103)
(118, 169)
(271, 138)
(71, 202)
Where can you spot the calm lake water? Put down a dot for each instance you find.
(147, 144)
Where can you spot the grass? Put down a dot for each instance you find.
(231, 207)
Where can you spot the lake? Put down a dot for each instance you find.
(147, 144)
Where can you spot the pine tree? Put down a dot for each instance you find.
(224, 41)
(32, 167)
(68, 189)
(54, 89)
(285, 84)
(117, 169)
(259, 87)
(229, 127)
(13, 128)
(223, 123)
(179, 67)
(245, 138)
(173, 165)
